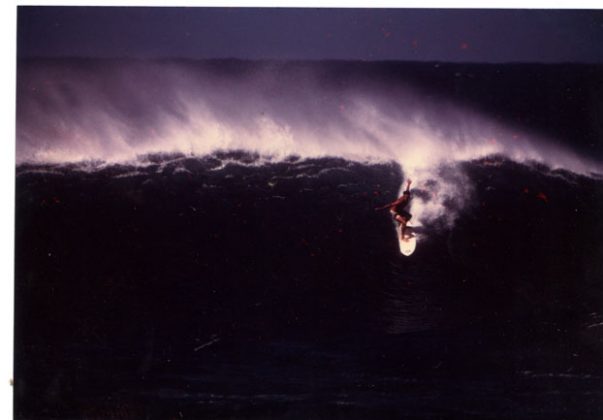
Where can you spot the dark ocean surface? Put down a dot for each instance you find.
(227, 286)
(198, 239)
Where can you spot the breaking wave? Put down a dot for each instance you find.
(122, 110)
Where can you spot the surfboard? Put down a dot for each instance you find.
(409, 243)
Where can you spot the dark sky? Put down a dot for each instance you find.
(364, 34)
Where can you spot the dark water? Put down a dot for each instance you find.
(198, 288)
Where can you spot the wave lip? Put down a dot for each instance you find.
(117, 110)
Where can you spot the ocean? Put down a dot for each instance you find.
(201, 241)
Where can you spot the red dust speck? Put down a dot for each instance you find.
(543, 197)
(464, 46)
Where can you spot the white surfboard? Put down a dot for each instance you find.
(409, 243)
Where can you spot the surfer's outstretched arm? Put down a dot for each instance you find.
(387, 206)
(390, 205)
(399, 200)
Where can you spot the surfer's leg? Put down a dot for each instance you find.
(404, 218)
(402, 222)
(403, 231)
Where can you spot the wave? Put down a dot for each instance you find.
(71, 110)
(117, 110)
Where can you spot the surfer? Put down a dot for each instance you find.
(398, 209)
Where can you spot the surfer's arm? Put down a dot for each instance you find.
(384, 207)
(405, 197)
(392, 204)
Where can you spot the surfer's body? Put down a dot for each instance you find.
(398, 209)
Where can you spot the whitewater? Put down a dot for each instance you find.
(116, 111)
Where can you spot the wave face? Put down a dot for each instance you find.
(229, 286)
